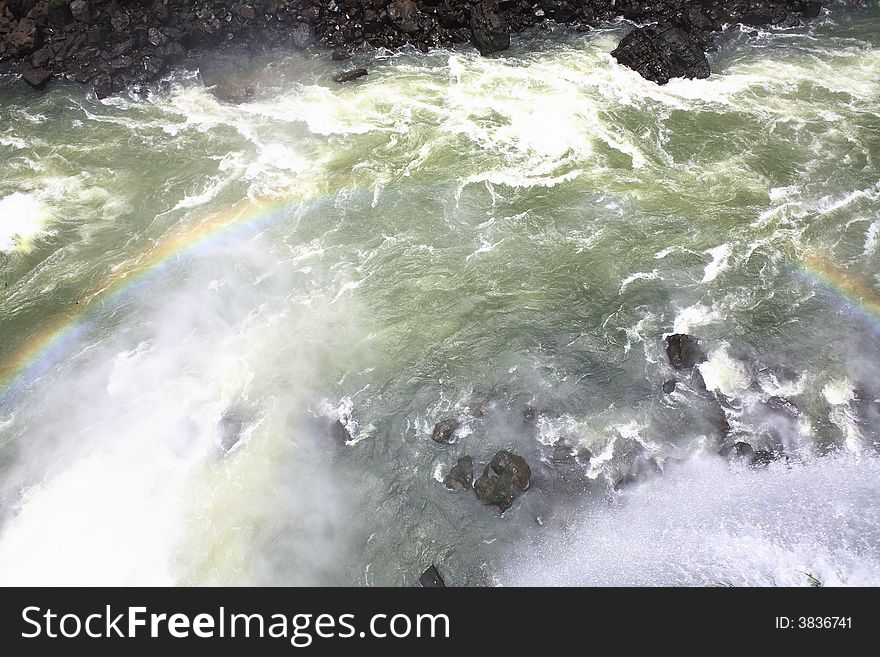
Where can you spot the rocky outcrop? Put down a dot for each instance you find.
(116, 44)
(662, 52)
(504, 478)
(684, 351)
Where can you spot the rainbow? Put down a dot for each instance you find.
(55, 340)
(854, 289)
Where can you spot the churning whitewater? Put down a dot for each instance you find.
(227, 331)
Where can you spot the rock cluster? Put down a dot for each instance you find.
(115, 44)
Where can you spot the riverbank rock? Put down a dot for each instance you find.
(489, 30)
(444, 431)
(117, 44)
(660, 53)
(684, 351)
(461, 475)
(504, 478)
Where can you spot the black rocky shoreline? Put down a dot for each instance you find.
(119, 44)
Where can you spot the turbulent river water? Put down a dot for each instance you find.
(449, 231)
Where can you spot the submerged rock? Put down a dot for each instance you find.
(348, 76)
(669, 386)
(643, 467)
(480, 404)
(684, 351)
(230, 429)
(431, 578)
(504, 478)
(461, 475)
(662, 52)
(444, 431)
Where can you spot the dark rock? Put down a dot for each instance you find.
(25, 38)
(762, 457)
(660, 53)
(302, 36)
(669, 386)
(339, 432)
(444, 431)
(339, 55)
(480, 404)
(404, 15)
(37, 78)
(353, 74)
(506, 476)
(684, 351)
(782, 405)
(431, 578)
(489, 30)
(584, 455)
(42, 57)
(738, 449)
(717, 419)
(812, 9)
(563, 452)
(461, 475)
(642, 468)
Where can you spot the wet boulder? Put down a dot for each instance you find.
(37, 78)
(348, 76)
(782, 405)
(489, 30)
(504, 478)
(662, 52)
(444, 431)
(761, 457)
(461, 475)
(641, 468)
(684, 351)
(739, 449)
(717, 418)
(339, 432)
(480, 404)
(431, 578)
(669, 386)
